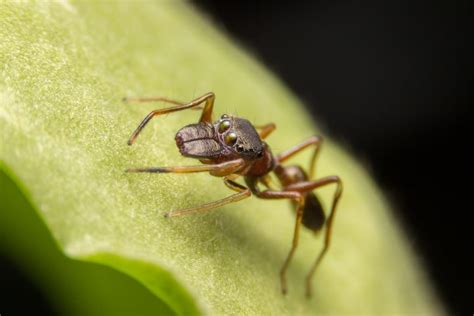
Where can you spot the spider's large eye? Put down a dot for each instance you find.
(230, 138)
(224, 126)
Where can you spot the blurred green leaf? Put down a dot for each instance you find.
(64, 69)
(72, 287)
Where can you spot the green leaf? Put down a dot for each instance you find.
(64, 70)
(72, 287)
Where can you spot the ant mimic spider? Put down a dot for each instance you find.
(232, 147)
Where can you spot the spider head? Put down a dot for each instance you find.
(228, 138)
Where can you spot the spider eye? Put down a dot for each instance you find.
(230, 138)
(224, 126)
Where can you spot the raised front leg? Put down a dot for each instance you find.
(206, 115)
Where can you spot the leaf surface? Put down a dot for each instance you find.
(65, 68)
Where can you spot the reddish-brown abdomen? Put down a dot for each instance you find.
(263, 165)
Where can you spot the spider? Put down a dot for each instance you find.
(232, 147)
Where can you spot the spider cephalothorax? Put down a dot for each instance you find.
(228, 137)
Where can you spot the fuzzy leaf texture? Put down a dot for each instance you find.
(64, 68)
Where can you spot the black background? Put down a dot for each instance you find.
(391, 81)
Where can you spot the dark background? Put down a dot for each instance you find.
(391, 81)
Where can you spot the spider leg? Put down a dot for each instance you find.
(266, 129)
(242, 193)
(206, 115)
(307, 187)
(266, 181)
(151, 99)
(292, 195)
(312, 141)
(157, 99)
(221, 169)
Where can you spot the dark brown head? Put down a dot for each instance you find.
(230, 137)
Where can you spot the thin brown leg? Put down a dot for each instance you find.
(299, 198)
(206, 115)
(294, 244)
(232, 176)
(157, 99)
(151, 99)
(314, 140)
(242, 193)
(309, 186)
(221, 169)
(266, 181)
(266, 130)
